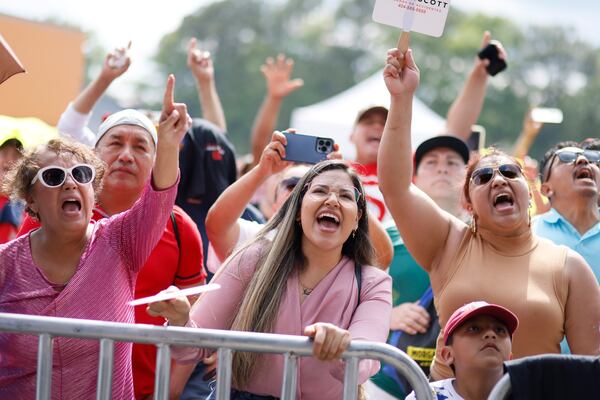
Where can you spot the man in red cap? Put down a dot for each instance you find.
(477, 341)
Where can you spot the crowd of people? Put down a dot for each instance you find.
(335, 251)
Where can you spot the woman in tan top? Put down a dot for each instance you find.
(497, 259)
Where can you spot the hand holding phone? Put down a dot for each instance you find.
(307, 149)
(491, 53)
(120, 57)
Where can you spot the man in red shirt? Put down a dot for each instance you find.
(126, 142)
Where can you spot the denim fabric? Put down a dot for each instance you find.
(197, 388)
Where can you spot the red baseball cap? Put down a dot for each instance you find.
(475, 308)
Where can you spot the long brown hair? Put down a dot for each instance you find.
(260, 303)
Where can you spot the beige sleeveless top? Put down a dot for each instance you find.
(529, 280)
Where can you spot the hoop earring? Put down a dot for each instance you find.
(473, 225)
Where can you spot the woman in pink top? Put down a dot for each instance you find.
(302, 282)
(72, 268)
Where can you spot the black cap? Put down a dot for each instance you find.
(436, 142)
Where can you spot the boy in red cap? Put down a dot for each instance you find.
(477, 341)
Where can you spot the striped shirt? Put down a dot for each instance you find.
(102, 285)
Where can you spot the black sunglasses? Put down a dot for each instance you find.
(570, 155)
(483, 175)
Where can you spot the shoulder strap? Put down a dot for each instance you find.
(358, 274)
(177, 238)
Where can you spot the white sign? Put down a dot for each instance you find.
(173, 295)
(422, 16)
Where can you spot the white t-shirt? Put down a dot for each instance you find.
(442, 390)
(73, 124)
(248, 229)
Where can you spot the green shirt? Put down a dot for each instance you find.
(409, 282)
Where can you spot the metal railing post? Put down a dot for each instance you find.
(290, 377)
(163, 372)
(351, 379)
(44, 367)
(105, 369)
(224, 357)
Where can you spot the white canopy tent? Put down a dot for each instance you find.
(335, 116)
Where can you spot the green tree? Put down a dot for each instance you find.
(336, 44)
(240, 35)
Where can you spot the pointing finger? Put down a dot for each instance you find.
(168, 100)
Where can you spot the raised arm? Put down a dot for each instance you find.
(530, 131)
(201, 65)
(74, 119)
(384, 250)
(174, 123)
(424, 226)
(465, 109)
(582, 311)
(222, 225)
(277, 76)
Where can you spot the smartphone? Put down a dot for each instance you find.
(307, 149)
(477, 139)
(491, 53)
(547, 115)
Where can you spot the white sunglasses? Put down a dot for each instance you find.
(53, 176)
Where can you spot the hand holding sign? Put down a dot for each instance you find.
(423, 16)
(401, 74)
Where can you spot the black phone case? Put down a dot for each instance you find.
(496, 64)
(303, 148)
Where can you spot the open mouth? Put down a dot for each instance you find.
(71, 205)
(584, 173)
(328, 221)
(503, 200)
(374, 139)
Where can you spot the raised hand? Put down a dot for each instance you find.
(176, 311)
(271, 160)
(481, 65)
(200, 63)
(115, 64)
(174, 119)
(401, 74)
(277, 74)
(329, 340)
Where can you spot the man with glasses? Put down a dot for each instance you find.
(570, 179)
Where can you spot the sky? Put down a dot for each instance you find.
(115, 22)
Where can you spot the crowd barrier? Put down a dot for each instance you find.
(225, 342)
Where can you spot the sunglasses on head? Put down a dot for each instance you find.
(569, 155)
(54, 176)
(483, 175)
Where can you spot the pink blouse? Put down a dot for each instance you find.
(102, 285)
(333, 300)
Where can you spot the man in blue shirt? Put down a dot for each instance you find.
(570, 179)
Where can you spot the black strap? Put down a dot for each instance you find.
(358, 274)
(176, 232)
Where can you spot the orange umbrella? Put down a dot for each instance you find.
(9, 63)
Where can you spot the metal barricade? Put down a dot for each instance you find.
(225, 342)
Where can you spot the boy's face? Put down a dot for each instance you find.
(481, 342)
